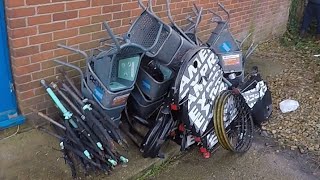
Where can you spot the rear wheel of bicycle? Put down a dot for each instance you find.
(233, 122)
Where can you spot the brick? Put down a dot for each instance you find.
(48, 64)
(89, 45)
(119, 1)
(17, 23)
(136, 12)
(37, 2)
(43, 56)
(114, 24)
(130, 6)
(42, 74)
(121, 30)
(14, 3)
(39, 91)
(77, 5)
(65, 15)
(52, 27)
(26, 51)
(26, 69)
(16, 43)
(35, 20)
(74, 57)
(79, 39)
(121, 15)
(65, 34)
(51, 45)
(61, 52)
(111, 8)
(182, 5)
(23, 61)
(78, 22)
(90, 12)
(101, 18)
(22, 79)
(42, 38)
(89, 29)
(45, 104)
(51, 8)
(33, 100)
(99, 35)
(21, 12)
(26, 95)
(159, 2)
(100, 2)
(28, 86)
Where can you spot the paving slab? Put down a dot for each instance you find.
(32, 155)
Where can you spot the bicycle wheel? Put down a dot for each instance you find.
(233, 122)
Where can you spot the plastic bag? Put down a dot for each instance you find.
(288, 105)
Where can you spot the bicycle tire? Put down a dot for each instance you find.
(241, 123)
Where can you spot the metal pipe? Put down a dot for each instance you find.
(48, 119)
(71, 66)
(174, 24)
(113, 37)
(70, 82)
(74, 50)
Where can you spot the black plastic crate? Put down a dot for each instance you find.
(152, 88)
(143, 106)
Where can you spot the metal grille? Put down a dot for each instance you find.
(163, 36)
(144, 30)
(177, 60)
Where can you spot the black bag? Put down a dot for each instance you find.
(258, 96)
(262, 110)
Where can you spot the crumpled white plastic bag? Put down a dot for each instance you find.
(288, 105)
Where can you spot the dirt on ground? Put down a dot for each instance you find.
(298, 80)
(30, 155)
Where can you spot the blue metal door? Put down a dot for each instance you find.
(8, 106)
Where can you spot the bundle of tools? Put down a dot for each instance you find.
(160, 82)
(86, 132)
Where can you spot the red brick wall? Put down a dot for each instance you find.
(35, 27)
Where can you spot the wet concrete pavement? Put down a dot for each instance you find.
(35, 155)
(260, 162)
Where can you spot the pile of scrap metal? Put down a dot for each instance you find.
(160, 82)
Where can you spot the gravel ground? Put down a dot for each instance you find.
(300, 81)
